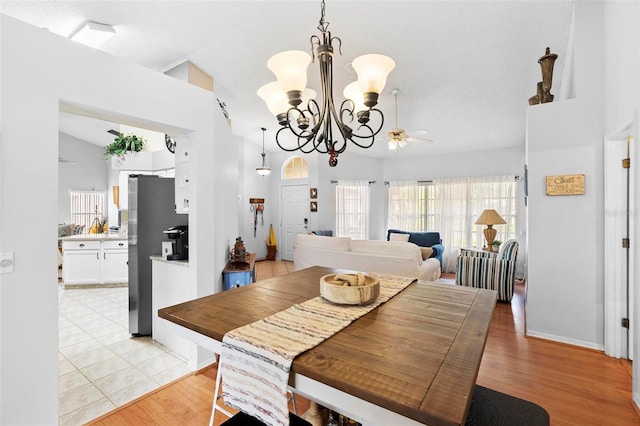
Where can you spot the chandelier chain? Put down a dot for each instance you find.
(323, 24)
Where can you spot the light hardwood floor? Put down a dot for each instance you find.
(576, 386)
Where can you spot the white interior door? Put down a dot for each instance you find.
(619, 190)
(294, 206)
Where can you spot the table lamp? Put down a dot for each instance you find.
(490, 217)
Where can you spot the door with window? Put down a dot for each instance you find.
(294, 201)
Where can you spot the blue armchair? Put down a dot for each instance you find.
(423, 239)
(494, 271)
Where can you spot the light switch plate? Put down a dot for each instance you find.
(6, 262)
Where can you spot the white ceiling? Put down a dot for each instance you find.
(466, 69)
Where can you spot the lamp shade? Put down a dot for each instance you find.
(277, 101)
(290, 68)
(263, 171)
(352, 91)
(372, 71)
(274, 97)
(490, 217)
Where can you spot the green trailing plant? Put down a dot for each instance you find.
(123, 144)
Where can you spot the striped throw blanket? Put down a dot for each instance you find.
(256, 358)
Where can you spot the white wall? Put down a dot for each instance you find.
(87, 171)
(565, 274)
(39, 70)
(495, 162)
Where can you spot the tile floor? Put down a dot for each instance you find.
(101, 366)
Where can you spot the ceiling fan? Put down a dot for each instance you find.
(398, 138)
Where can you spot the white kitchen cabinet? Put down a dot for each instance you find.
(94, 261)
(182, 174)
(115, 258)
(81, 262)
(168, 280)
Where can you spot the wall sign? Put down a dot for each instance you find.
(565, 185)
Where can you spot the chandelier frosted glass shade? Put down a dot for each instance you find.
(325, 126)
(372, 73)
(290, 68)
(275, 98)
(277, 101)
(263, 171)
(352, 91)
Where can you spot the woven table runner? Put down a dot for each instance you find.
(256, 358)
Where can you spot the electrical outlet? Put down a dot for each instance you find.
(6, 262)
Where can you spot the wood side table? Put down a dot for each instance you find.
(240, 274)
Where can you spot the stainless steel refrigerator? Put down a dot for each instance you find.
(151, 211)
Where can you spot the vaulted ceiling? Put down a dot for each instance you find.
(466, 69)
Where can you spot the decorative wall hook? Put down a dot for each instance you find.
(257, 207)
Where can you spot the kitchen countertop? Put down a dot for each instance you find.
(163, 259)
(92, 237)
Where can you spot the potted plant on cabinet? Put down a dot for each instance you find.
(123, 144)
(495, 245)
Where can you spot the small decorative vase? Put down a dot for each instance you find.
(314, 415)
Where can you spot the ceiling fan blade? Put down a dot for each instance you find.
(422, 132)
(418, 140)
(114, 132)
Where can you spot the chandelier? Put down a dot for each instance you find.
(263, 170)
(307, 125)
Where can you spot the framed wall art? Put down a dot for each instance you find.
(313, 193)
(313, 206)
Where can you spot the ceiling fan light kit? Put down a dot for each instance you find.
(312, 123)
(398, 138)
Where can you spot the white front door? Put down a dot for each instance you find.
(294, 201)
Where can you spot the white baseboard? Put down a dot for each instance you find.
(561, 339)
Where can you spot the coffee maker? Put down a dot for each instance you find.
(179, 236)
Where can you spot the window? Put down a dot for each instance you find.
(459, 203)
(451, 207)
(296, 168)
(86, 206)
(411, 206)
(352, 209)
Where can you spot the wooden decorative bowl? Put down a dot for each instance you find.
(349, 295)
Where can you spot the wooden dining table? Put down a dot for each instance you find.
(412, 360)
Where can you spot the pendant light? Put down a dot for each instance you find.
(264, 170)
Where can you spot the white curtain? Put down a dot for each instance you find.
(406, 205)
(459, 203)
(352, 209)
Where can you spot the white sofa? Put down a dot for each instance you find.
(388, 257)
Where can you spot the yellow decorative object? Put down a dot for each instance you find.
(272, 237)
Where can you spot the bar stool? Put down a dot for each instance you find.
(492, 408)
(216, 396)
